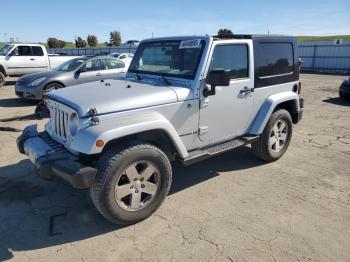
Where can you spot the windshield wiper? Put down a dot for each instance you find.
(165, 80)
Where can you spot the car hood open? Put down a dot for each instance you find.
(118, 95)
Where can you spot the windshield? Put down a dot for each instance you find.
(5, 49)
(70, 65)
(168, 58)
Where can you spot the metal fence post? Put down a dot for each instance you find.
(314, 58)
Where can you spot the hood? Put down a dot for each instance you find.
(33, 76)
(118, 95)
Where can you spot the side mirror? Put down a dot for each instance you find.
(216, 78)
(81, 70)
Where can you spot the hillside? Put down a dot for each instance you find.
(323, 38)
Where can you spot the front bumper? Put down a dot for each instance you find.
(300, 113)
(52, 160)
(28, 92)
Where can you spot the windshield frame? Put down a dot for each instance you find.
(140, 50)
(8, 50)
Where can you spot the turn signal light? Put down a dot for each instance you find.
(100, 143)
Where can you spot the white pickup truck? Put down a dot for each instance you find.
(20, 59)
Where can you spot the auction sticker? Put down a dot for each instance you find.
(193, 43)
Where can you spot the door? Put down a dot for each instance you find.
(22, 61)
(91, 71)
(40, 60)
(113, 68)
(228, 113)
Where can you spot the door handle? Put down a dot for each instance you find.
(246, 90)
(32, 59)
(98, 74)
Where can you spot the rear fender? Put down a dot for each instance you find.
(268, 107)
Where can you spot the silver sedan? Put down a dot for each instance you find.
(73, 72)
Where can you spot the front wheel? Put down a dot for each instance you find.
(2, 79)
(275, 139)
(51, 87)
(131, 182)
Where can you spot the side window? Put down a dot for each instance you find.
(110, 64)
(23, 51)
(275, 59)
(122, 57)
(233, 58)
(37, 51)
(93, 65)
(120, 64)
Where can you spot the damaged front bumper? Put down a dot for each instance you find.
(52, 160)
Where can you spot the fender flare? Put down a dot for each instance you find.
(118, 127)
(267, 108)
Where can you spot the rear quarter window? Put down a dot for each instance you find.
(275, 59)
(37, 51)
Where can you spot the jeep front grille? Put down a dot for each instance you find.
(60, 115)
(60, 125)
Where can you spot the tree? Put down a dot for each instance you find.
(61, 43)
(115, 38)
(224, 32)
(79, 42)
(92, 40)
(52, 42)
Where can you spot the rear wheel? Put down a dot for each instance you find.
(275, 139)
(131, 183)
(2, 79)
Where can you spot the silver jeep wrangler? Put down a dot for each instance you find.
(183, 99)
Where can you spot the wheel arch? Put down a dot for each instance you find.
(55, 82)
(157, 137)
(2, 70)
(285, 100)
(150, 127)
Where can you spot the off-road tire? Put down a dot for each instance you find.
(110, 168)
(261, 147)
(2, 79)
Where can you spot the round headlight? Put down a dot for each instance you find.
(73, 124)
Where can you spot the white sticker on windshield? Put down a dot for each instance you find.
(193, 43)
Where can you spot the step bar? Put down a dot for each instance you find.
(201, 154)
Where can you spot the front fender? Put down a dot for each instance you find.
(268, 107)
(121, 126)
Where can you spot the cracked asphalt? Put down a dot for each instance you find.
(233, 207)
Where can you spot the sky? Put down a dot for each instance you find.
(34, 20)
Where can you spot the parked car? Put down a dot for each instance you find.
(73, 72)
(344, 89)
(131, 44)
(21, 59)
(125, 57)
(183, 99)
